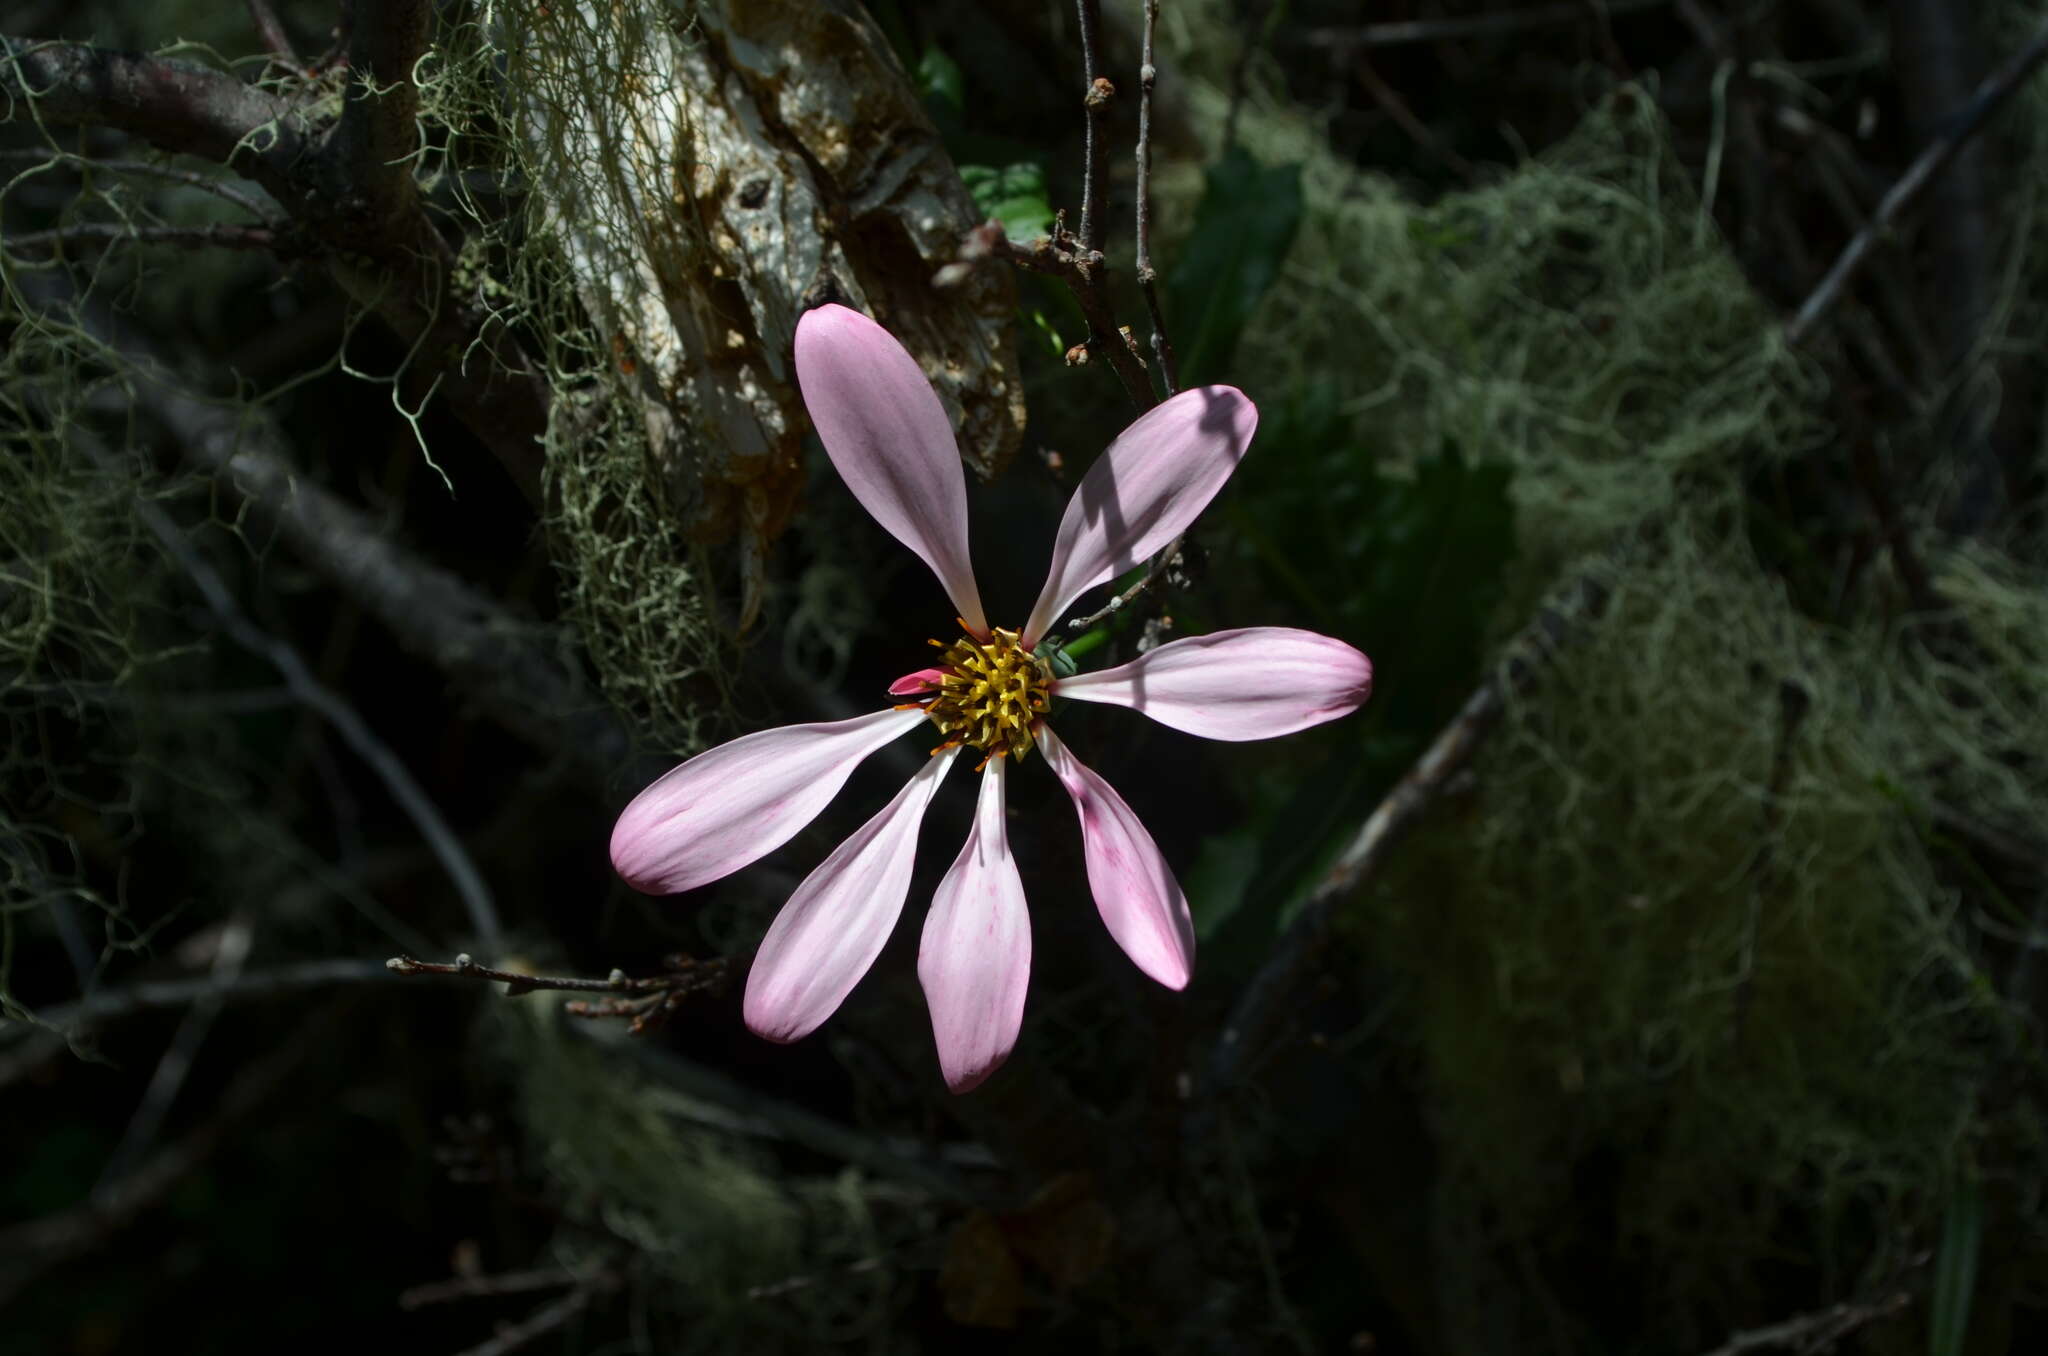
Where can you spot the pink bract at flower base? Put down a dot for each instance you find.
(889, 437)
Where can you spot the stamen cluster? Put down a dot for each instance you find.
(991, 693)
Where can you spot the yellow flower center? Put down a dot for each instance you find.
(991, 694)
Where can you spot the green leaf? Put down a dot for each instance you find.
(1955, 1269)
(1012, 194)
(1244, 226)
(939, 80)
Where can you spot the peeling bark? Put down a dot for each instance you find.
(715, 176)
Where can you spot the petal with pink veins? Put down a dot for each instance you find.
(1140, 901)
(1143, 492)
(834, 926)
(924, 680)
(1256, 683)
(736, 803)
(888, 436)
(975, 957)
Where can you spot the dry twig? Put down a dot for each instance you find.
(1968, 121)
(1267, 996)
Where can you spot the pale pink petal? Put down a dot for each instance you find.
(887, 434)
(1251, 684)
(731, 805)
(834, 926)
(924, 680)
(975, 958)
(1143, 492)
(1140, 901)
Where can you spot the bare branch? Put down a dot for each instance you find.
(379, 131)
(1273, 988)
(273, 34)
(1096, 93)
(1148, 75)
(98, 235)
(546, 1319)
(353, 192)
(1993, 92)
(1459, 27)
(484, 1287)
(173, 104)
(330, 706)
(31, 1249)
(1817, 1331)
(114, 1005)
(498, 658)
(1085, 273)
(205, 183)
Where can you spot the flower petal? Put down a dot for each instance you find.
(975, 958)
(834, 926)
(924, 680)
(1140, 901)
(736, 803)
(1140, 494)
(890, 440)
(1256, 683)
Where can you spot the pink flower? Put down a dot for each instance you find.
(889, 438)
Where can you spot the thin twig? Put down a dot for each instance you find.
(1086, 274)
(205, 183)
(1161, 563)
(113, 1005)
(649, 1001)
(517, 983)
(30, 1249)
(502, 663)
(483, 1287)
(100, 234)
(1096, 92)
(273, 34)
(545, 1319)
(1993, 92)
(1816, 1331)
(1279, 980)
(1452, 29)
(350, 189)
(1148, 74)
(329, 705)
(231, 952)
(1394, 106)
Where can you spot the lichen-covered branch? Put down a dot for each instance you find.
(351, 195)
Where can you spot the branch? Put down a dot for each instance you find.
(38, 1245)
(102, 234)
(114, 1005)
(352, 192)
(330, 706)
(1993, 92)
(1816, 1331)
(483, 1287)
(1085, 273)
(1096, 92)
(544, 1320)
(653, 999)
(273, 34)
(173, 104)
(1148, 74)
(434, 615)
(1470, 25)
(205, 183)
(379, 133)
(1273, 990)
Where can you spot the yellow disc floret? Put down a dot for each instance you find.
(991, 693)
